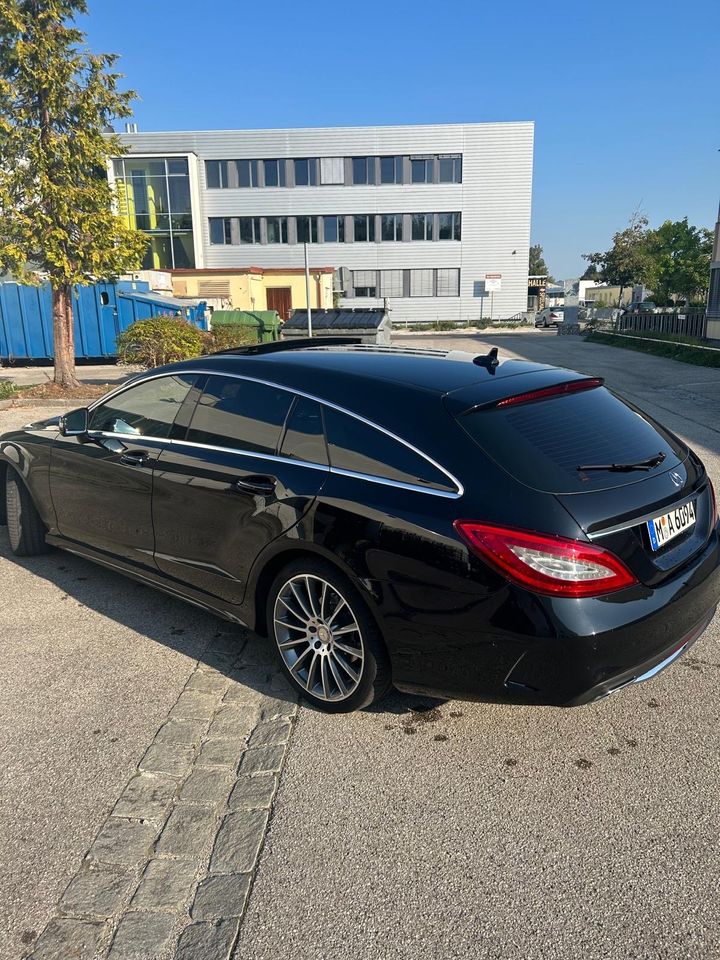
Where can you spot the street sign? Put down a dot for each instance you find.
(493, 282)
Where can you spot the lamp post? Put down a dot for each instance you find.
(307, 292)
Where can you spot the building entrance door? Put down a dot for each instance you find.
(280, 299)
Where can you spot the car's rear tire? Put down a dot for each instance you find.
(328, 642)
(26, 530)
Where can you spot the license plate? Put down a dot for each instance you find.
(670, 525)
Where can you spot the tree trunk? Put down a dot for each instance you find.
(63, 334)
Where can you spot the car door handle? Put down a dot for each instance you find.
(261, 485)
(135, 459)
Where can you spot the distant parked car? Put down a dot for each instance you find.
(642, 306)
(549, 317)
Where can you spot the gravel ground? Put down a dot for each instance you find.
(433, 829)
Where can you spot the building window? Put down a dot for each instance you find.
(391, 283)
(277, 230)
(422, 169)
(448, 282)
(421, 283)
(246, 173)
(332, 170)
(249, 229)
(448, 226)
(307, 229)
(364, 227)
(229, 174)
(334, 229)
(391, 169)
(153, 196)
(391, 226)
(216, 173)
(220, 230)
(306, 173)
(450, 169)
(422, 226)
(274, 173)
(365, 283)
(363, 170)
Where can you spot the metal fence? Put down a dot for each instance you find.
(682, 324)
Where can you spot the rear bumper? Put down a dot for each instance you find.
(645, 671)
(523, 648)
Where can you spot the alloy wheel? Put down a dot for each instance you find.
(319, 637)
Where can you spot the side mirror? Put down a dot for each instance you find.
(75, 423)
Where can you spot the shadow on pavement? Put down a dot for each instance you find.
(181, 627)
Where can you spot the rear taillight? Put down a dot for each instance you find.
(544, 563)
(558, 390)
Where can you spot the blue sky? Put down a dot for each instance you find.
(625, 96)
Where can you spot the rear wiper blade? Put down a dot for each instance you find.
(626, 467)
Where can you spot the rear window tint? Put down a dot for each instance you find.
(543, 443)
(361, 448)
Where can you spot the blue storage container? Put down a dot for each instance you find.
(100, 312)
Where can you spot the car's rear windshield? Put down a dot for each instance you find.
(544, 442)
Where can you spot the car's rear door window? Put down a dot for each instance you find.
(543, 443)
(147, 409)
(304, 435)
(240, 414)
(360, 448)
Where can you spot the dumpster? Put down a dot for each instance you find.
(371, 324)
(265, 323)
(100, 312)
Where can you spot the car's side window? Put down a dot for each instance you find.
(304, 435)
(361, 448)
(240, 414)
(147, 409)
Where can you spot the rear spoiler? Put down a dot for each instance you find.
(517, 390)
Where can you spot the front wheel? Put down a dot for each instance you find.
(25, 527)
(329, 645)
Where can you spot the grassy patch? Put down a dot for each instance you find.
(7, 390)
(683, 349)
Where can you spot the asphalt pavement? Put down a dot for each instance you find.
(424, 829)
(417, 829)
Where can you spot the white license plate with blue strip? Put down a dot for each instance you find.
(670, 525)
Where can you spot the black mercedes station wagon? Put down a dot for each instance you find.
(438, 521)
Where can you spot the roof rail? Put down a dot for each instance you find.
(277, 346)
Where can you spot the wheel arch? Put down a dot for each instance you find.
(268, 569)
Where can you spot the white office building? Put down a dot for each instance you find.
(433, 219)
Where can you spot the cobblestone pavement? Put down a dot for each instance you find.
(170, 870)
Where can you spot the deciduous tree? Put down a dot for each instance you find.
(626, 261)
(678, 261)
(56, 103)
(538, 267)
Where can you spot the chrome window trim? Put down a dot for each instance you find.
(460, 490)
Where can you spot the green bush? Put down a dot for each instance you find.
(7, 390)
(226, 336)
(158, 340)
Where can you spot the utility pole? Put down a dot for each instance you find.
(307, 292)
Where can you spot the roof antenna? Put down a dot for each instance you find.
(489, 360)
